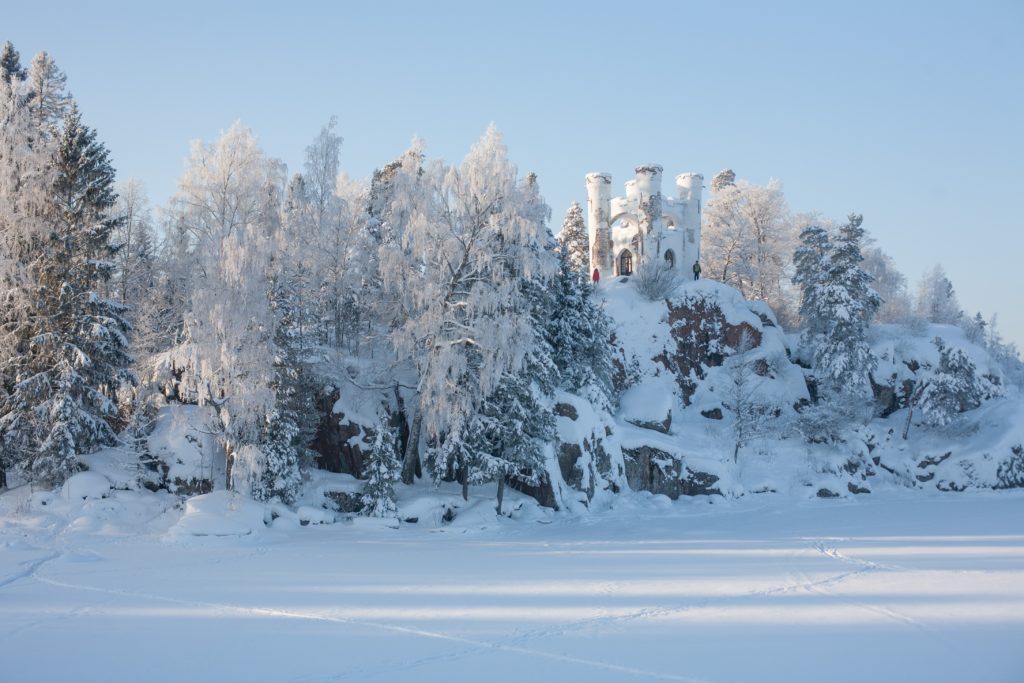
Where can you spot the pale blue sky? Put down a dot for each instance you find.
(907, 112)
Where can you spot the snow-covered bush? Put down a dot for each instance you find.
(656, 281)
(1011, 471)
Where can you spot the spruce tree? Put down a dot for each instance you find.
(10, 64)
(577, 331)
(383, 470)
(573, 240)
(837, 303)
(812, 261)
(63, 402)
(953, 388)
(504, 438)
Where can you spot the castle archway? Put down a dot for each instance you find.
(670, 258)
(626, 262)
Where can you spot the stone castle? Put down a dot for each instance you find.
(644, 226)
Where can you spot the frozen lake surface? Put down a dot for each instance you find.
(919, 587)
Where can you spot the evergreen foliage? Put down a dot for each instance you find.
(382, 471)
(1010, 472)
(936, 299)
(837, 303)
(10, 64)
(954, 386)
(573, 240)
(578, 332)
(70, 342)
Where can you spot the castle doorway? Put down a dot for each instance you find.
(626, 262)
(670, 258)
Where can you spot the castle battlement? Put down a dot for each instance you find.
(643, 225)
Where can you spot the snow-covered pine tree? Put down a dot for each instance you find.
(382, 469)
(1010, 473)
(1006, 354)
(10, 64)
(952, 388)
(573, 240)
(936, 299)
(578, 330)
(974, 328)
(504, 438)
(843, 359)
(25, 173)
(294, 385)
(812, 262)
(77, 356)
(278, 477)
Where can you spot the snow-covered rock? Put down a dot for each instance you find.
(221, 513)
(86, 486)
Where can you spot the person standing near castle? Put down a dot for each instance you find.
(696, 270)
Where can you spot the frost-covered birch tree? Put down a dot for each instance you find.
(229, 201)
(472, 238)
(748, 237)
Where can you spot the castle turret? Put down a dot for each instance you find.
(648, 185)
(648, 180)
(691, 186)
(598, 228)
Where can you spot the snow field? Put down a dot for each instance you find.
(921, 587)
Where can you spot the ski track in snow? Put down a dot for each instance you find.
(515, 644)
(526, 643)
(31, 568)
(475, 645)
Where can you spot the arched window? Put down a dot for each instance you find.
(626, 262)
(670, 258)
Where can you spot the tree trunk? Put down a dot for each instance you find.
(412, 450)
(910, 412)
(464, 472)
(3, 478)
(229, 464)
(501, 491)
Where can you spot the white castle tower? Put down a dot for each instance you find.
(644, 226)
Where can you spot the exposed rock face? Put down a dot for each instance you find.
(542, 492)
(566, 410)
(663, 426)
(343, 445)
(569, 456)
(654, 470)
(702, 337)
